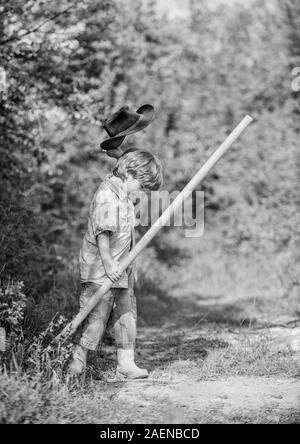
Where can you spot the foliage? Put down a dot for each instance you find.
(39, 355)
(12, 305)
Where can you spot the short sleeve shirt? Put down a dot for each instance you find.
(110, 210)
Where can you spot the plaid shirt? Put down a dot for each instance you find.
(110, 210)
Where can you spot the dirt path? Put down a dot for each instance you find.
(213, 374)
(233, 399)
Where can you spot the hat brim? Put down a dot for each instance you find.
(112, 144)
(147, 112)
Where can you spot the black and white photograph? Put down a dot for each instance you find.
(149, 214)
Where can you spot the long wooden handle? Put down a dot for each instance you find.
(159, 223)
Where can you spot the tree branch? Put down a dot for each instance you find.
(36, 28)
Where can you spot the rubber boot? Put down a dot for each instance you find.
(126, 366)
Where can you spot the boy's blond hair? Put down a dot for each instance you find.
(141, 165)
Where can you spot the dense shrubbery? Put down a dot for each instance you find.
(38, 354)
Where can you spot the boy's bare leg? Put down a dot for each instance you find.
(78, 364)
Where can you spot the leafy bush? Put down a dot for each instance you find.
(12, 306)
(37, 355)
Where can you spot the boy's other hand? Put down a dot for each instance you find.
(112, 269)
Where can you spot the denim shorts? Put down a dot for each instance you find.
(116, 311)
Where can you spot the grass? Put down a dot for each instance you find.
(25, 399)
(256, 360)
(246, 358)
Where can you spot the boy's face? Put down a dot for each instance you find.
(133, 187)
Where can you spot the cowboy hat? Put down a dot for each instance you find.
(125, 122)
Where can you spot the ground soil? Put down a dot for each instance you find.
(178, 391)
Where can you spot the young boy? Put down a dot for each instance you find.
(109, 237)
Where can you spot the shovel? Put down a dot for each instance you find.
(158, 224)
